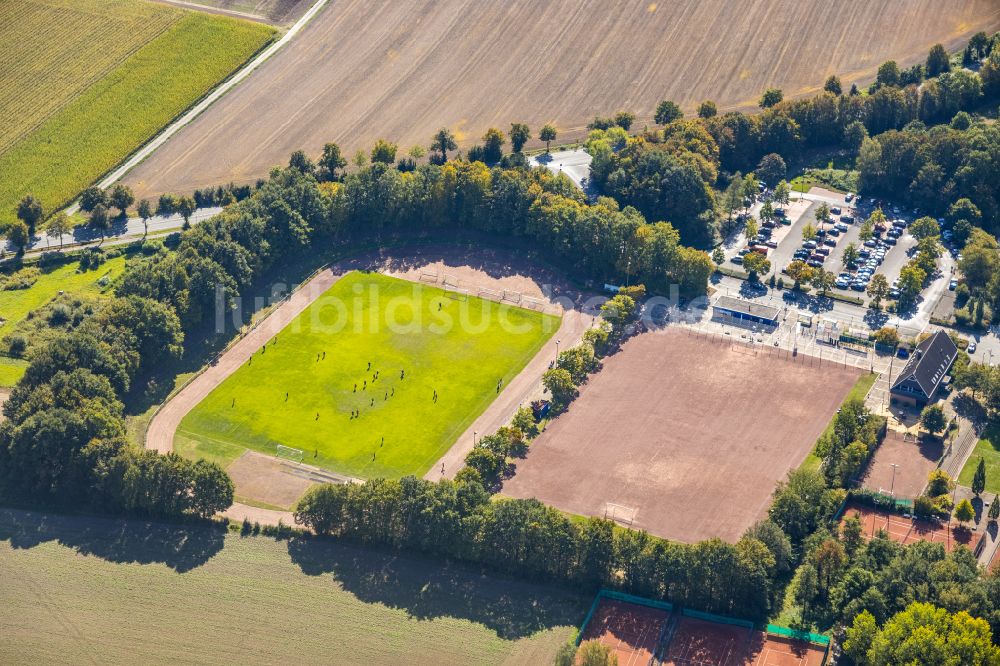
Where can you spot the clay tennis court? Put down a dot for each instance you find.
(907, 530)
(698, 642)
(914, 459)
(631, 630)
(688, 433)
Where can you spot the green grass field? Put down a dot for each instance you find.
(17, 303)
(104, 77)
(989, 449)
(462, 362)
(83, 590)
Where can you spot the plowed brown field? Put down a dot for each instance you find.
(363, 70)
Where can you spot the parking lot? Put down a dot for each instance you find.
(883, 255)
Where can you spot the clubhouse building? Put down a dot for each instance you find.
(920, 380)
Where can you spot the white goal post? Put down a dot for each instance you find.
(619, 513)
(289, 453)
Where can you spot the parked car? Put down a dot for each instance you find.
(841, 227)
(848, 196)
(953, 285)
(849, 219)
(737, 259)
(870, 243)
(864, 254)
(833, 231)
(825, 251)
(809, 245)
(971, 348)
(830, 242)
(894, 293)
(759, 249)
(836, 210)
(771, 244)
(858, 286)
(814, 263)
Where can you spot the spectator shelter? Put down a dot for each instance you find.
(747, 314)
(918, 383)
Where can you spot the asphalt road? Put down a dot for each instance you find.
(121, 231)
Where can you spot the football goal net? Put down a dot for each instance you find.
(458, 294)
(289, 453)
(510, 296)
(621, 514)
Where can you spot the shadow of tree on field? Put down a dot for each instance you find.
(428, 589)
(134, 541)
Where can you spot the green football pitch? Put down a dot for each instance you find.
(352, 381)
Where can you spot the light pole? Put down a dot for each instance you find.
(893, 484)
(474, 433)
(557, 350)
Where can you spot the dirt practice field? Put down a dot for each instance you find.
(85, 590)
(915, 460)
(907, 530)
(400, 70)
(692, 434)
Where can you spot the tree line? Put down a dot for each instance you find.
(307, 206)
(63, 441)
(459, 520)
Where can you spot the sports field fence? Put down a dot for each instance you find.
(668, 630)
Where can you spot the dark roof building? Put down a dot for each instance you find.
(739, 311)
(924, 373)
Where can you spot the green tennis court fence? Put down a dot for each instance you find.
(721, 619)
(798, 635)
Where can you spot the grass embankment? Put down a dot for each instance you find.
(302, 388)
(989, 449)
(80, 589)
(133, 88)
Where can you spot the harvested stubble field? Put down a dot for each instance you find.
(693, 433)
(79, 589)
(104, 76)
(400, 70)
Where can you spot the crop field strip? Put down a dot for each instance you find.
(57, 48)
(119, 111)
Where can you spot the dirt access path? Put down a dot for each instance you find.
(361, 71)
(460, 268)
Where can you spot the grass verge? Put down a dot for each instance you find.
(989, 451)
